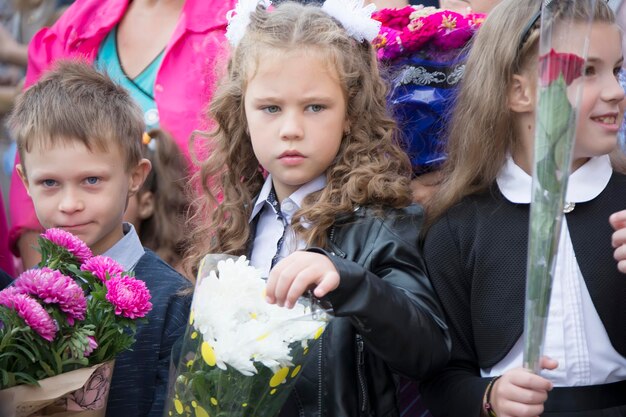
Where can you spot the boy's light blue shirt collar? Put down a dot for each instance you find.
(128, 250)
(296, 198)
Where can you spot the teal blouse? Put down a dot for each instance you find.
(141, 87)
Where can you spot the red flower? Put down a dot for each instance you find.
(553, 64)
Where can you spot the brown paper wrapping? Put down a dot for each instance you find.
(79, 393)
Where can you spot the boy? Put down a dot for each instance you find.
(79, 138)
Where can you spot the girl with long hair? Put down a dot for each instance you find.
(304, 103)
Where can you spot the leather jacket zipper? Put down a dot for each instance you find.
(360, 363)
(335, 249)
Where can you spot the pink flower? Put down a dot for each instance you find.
(394, 18)
(91, 347)
(35, 316)
(102, 267)
(74, 245)
(410, 30)
(129, 296)
(52, 287)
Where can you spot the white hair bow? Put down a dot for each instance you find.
(356, 19)
(239, 19)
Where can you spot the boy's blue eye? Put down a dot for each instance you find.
(48, 183)
(92, 180)
(271, 109)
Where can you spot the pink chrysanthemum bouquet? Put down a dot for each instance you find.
(74, 311)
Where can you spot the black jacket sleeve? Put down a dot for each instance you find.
(387, 295)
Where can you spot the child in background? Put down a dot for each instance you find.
(79, 138)
(304, 101)
(476, 246)
(158, 209)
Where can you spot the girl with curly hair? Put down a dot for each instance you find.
(305, 177)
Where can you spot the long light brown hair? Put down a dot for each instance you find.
(369, 169)
(482, 130)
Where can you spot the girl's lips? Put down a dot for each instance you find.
(607, 121)
(288, 154)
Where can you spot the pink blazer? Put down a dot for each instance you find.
(183, 85)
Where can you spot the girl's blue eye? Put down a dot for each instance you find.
(271, 109)
(316, 108)
(92, 180)
(48, 183)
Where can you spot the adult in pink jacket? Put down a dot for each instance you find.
(187, 36)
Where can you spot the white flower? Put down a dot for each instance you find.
(239, 19)
(233, 317)
(356, 19)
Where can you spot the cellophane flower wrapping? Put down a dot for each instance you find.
(562, 46)
(424, 50)
(61, 326)
(240, 355)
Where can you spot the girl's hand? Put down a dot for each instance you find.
(298, 272)
(618, 240)
(520, 393)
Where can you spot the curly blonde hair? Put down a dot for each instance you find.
(369, 169)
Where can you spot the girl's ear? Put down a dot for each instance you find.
(138, 175)
(145, 205)
(521, 94)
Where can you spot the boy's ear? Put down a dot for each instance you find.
(138, 175)
(22, 173)
(521, 94)
(145, 205)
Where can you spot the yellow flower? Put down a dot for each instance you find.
(448, 22)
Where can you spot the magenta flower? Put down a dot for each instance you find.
(74, 245)
(35, 316)
(129, 296)
(52, 287)
(91, 347)
(101, 266)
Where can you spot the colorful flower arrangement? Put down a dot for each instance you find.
(240, 355)
(410, 29)
(75, 310)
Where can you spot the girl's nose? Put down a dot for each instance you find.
(71, 202)
(292, 127)
(615, 90)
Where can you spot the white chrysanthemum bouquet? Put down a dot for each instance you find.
(240, 355)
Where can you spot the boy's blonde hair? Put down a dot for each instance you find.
(370, 168)
(482, 129)
(74, 102)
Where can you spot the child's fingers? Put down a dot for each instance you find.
(618, 238)
(515, 409)
(548, 363)
(274, 278)
(618, 220)
(328, 283)
(528, 396)
(528, 380)
(302, 282)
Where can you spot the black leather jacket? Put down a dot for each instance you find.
(387, 320)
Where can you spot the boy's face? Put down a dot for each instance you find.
(81, 191)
